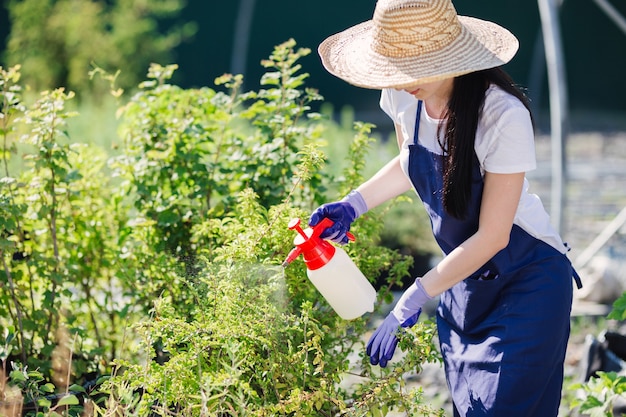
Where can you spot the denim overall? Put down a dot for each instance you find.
(503, 331)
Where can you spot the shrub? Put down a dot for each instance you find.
(166, 275)
(56, 42)
(597, 396)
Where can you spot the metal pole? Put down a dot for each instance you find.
(612, 13)
(548, 11)
(600, 240)
(241, 37)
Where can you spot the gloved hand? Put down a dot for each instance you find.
(383, 342)
(342, 213)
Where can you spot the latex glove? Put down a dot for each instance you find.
(343, 213)
(383, 342)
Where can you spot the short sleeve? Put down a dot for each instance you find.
(387, 104)
(505, 139)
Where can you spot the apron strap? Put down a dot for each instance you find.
(417, 121)
(576, 277)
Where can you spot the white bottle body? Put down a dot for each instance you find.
(344, 286)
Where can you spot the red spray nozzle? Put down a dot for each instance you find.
(293, 254)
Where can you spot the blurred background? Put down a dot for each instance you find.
(209, 38)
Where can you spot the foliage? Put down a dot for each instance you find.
(166, 277)
(57, 226)
(618, 312)
(599, 394)
(283, 358)
(56, 42)
(60, 283)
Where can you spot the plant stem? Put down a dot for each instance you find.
(18, 310)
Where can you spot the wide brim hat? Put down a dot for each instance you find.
(410, 42)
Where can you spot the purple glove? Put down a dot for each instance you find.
(383, 342)
(342, 213)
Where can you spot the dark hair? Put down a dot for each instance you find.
(464, 109)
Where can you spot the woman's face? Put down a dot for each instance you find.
(440, 90)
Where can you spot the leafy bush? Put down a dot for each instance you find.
(165, 277)
(59, 247)
(56, 42)
(597, 396)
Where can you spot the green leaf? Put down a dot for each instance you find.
(17, 376)
(619, 309)
(9, 334)
(68, 400)
(591, 403)
(77, 388)
(102, 379)
(47, 388)
(44, 402)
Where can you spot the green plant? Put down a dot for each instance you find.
(261, 341)
(596, 397)
(59, 248)
(188, 151)
(618, 312)
(56, 42)
(236, 334)
(163, 262)
(599, 394)
(26, 392)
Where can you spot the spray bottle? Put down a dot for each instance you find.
(332, 272)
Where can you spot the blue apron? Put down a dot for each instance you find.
(503, 331)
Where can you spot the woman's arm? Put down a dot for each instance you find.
(501, 195)
(389, 182)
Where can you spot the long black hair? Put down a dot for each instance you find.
(464, 110)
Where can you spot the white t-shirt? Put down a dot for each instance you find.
(504, 145)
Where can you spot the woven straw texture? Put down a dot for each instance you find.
(410, 42)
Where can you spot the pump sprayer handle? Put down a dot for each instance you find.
(294, 224)
(325, 224)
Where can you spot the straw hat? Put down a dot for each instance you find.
(411, 42)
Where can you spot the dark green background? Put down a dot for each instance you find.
(595, 48)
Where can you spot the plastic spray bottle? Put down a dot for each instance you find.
(332, 272)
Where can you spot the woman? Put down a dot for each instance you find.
(466, 140)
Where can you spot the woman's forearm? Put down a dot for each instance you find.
(500, 198)
(462, 262)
